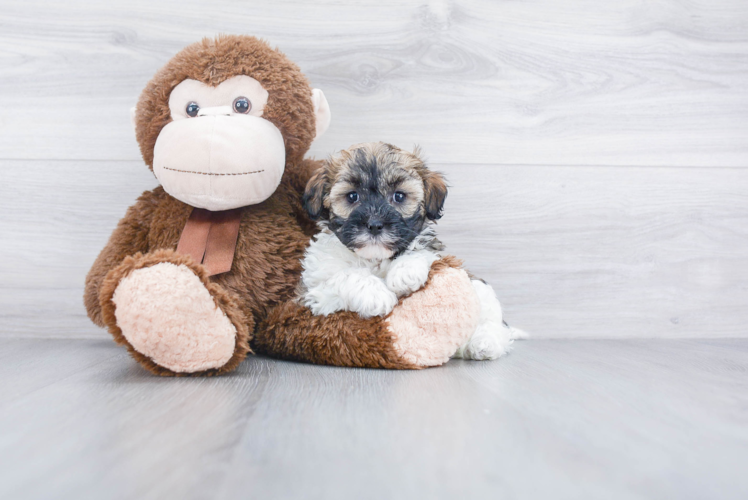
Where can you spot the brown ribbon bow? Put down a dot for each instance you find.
(210, 238)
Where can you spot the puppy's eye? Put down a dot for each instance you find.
(192, 109)
(399, 197)
(352, 197)
(242, 105)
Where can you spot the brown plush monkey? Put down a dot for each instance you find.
(210, 260)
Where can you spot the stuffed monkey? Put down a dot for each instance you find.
(207, 264)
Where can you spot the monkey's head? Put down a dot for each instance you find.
(221, 121)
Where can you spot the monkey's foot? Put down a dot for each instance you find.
(431, 324)
(173, 319)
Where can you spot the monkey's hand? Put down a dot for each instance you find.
(409, 272)
(354, 290)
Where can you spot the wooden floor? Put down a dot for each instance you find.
(555, 419)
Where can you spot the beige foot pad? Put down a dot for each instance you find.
(166, 313)
(431, 324)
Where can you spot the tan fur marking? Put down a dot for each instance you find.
(336, 200)
(413, 189)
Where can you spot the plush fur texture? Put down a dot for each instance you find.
(434, 322)
(257, 293)
(166, 313)
(223, 301)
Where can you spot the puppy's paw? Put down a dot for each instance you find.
(408, 275)
(371, 298)
(323, 300)
(490, 341)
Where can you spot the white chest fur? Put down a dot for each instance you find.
(336, 279)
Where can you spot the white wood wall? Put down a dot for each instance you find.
(597, 151)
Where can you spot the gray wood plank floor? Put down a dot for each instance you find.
(555, 419)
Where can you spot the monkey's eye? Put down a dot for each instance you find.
(352, 197)
(192, 109)
(242, 105)
(399, 197)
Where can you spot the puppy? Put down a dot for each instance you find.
(375, 205)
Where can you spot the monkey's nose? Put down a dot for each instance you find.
(215, 110)
(375, 226)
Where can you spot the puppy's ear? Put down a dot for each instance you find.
(314, 195)
(435, 192)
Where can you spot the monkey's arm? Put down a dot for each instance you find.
(292, 332)
(424, 329)
(129, 238)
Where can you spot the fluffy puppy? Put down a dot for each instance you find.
(375, 205)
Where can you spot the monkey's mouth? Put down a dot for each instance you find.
(212, 173)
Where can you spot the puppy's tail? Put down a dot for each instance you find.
(516, 333)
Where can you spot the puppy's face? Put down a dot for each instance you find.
(375, 198)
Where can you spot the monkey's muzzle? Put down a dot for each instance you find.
(220, 161)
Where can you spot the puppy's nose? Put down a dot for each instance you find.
(375, 226)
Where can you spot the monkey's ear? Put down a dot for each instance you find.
(435, 192)
(321, 111)
(314, 195)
